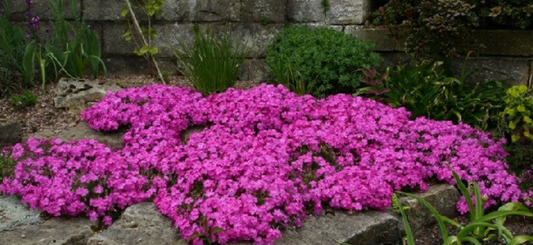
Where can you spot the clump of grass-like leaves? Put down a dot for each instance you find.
(213, 62)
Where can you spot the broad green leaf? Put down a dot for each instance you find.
(409, 233)
(28, 62)
(452, 240)
(521, 239)
(124, 13)
(472, 240)
(93, 50)
(465, 193)
(468, 229)
(127, 36)
(479, 202)
(515, 138)
(497, 214)
(438, 217)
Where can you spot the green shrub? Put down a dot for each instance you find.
(518, 126)
(25, 100)
(327, 61)
(517, 113)
(426, 90)
(213, 63)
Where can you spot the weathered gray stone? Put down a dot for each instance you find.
(340, 12)
(102, 10)
(140, 224)
(511, 71)
(77, 94)
(177, 10)
(506, 42)
(323, 25)
(105, 10)
(259, 11)
(393, 58)
(303, 11)
(360, 228)
(264, 11)
(41, 8)
(135, 65)
(254, 70)
(443, 197)
(216, 10)
(380, 37)
(113, 42)
(255, 37)
(169, 37)
(352, 29)
(55, 231)
(83, 131)
(13, 214)
(347, 11)
(10, 134)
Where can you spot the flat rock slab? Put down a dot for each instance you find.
(83, 131)
(360, 228)
(141, 224)
(13, 214)
(55, 231)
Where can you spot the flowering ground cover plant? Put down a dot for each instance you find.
(266, 159)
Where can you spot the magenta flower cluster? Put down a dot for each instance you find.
(265, 160)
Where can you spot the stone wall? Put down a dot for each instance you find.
(252, 22)
(255, 23)
(507, 56)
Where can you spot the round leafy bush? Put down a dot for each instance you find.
(325, 60)
(265, 160)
